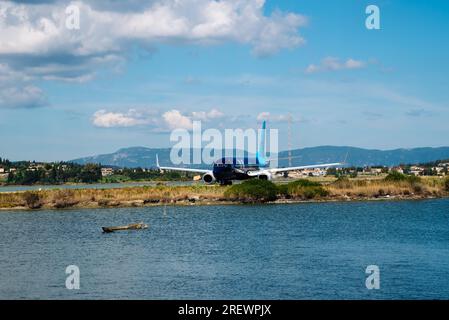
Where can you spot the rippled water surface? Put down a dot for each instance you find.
(300, 251)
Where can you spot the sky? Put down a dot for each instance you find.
(135, 70)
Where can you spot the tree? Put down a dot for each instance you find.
(90, 173)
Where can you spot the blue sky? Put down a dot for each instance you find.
(71, 93)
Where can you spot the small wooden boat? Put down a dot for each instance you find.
(133, 226)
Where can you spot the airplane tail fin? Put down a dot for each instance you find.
(260, 154)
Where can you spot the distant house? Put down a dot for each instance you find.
(417, 171)
(3, 174)
(397, 169)
(107, 172)
(371, 171)
(35, 167)
(439, 170)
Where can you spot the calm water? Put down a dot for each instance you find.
(230, 252)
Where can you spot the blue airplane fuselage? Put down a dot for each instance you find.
(227, 169)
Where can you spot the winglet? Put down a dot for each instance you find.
(157, 161)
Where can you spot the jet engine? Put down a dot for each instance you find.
(209, 178)
(265, 176)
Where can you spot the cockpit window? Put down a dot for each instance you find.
(224, 161)
(233, 162)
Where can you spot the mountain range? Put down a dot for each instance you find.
(134, 157)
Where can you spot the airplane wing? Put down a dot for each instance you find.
(181, 169)
(277, 170)
(185, 169)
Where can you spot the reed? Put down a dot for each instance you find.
(300, 190)
(427, 187)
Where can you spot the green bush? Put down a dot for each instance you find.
(254, 190)
(395, 176)
(32, 200)
(282, 190)
(306, 189)
(446, 184)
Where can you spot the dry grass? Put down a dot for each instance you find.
(109, 197)
(376, 188)
(357, 189)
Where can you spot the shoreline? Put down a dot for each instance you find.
(173, 196)
(136, 204)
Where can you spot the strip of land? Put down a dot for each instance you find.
(253, 191)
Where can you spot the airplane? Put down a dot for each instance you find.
(226, 169)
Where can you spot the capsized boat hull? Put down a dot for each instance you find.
(133, 226)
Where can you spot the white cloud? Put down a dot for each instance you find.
(169, 120)
(104, 119)
(278, 32)
(353, 64)
(35, 43)
(275, 117)
(28, 96)
(29, 30)
(207, 115)
(335, 64)
(263, 116)
(17, 92)
(215, 114)
(175, 120)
